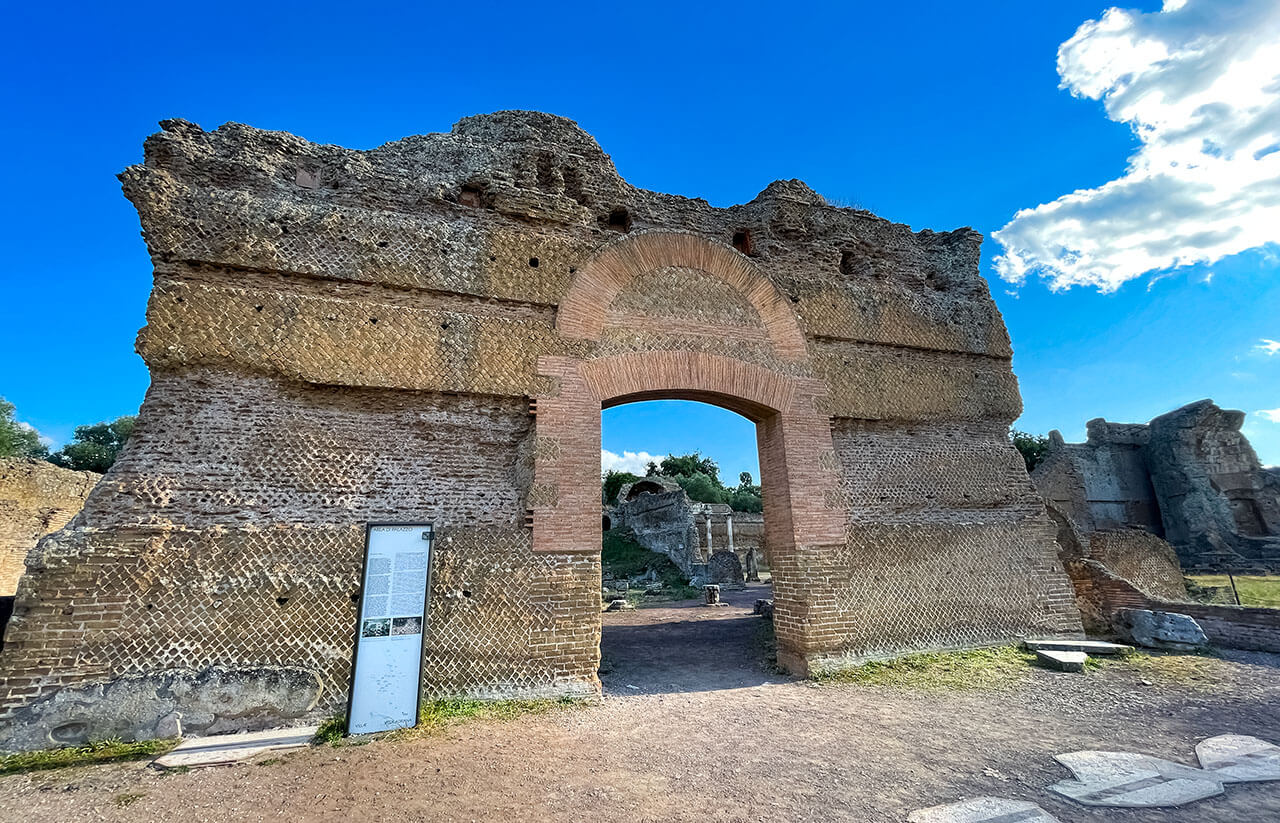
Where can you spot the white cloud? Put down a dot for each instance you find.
(1268, 347)
(634, 462)
(1269, 414)
(1199, 83)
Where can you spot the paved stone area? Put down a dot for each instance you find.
(1236, 758)
(983, 810)
(221, 749)
(1126, 779)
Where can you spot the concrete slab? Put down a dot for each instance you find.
(1062, 661)
(223, 749)
(1086, 646)
(1238, 758)
(1129, 780)
(983, 810)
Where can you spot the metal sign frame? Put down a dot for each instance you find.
(430, 537)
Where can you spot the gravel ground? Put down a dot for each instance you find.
(696, 726)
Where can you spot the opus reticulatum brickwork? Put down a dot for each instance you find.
(428, 331)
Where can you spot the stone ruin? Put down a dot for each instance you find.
(1189, 477)
(662, 518)
(427, 332)
(36, 498)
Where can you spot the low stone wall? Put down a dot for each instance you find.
(1102, 594)
(36, 498)
(1143, 559)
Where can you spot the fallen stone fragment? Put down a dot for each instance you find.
(1130, 780)
(1162, 630)
(618, 605)
(1087, 646)
(1238, 758)
(224, 749)
(1062, 661)
(983, 810)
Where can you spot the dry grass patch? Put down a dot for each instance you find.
(988, 669)
(1198, 672)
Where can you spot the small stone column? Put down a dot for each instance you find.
(728, 524)
(711, 595)
(710, 549)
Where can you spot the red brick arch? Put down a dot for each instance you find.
(611, 269)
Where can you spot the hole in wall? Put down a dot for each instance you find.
(742, 242)
(466, 592)
(373, 320)
(619, 219)
(257, 308)
(533, 262)
(470, 196)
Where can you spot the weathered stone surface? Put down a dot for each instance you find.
(223, 749)
(724, 568)
(1132, 780)
(1062, 660)
(428, 331)
(1238, 758)
(1087, 646)
(165, 704)
(1162, 630)
(983, 810)
(36, 498)
(1189, 476)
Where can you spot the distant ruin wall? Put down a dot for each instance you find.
(36, 498)
(1189, 476)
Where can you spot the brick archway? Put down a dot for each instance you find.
(614, 266)
(793, 437)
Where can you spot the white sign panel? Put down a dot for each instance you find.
(393, 607)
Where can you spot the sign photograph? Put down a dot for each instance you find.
(389, 632)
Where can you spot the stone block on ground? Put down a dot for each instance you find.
(1162, 630)
(1063, 661)
(1239, 758)
(764, 608)
(618, 605)
(1087, 646)
(983, 810)
(224, 749)
(1137, 781)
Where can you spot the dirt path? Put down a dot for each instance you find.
(709, 733)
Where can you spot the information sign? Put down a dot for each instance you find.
(393, 611)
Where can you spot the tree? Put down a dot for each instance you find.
(613, 482)
(744, 480)
(18, 439)
(1031, 446)
(95, 447)
(690, 464)
(744, 500)
(702, 488)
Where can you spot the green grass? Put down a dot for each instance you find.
(100, 751)
(331, 731)
(623, 558)
(127, 799)
(436, 715)
(987, 669)
(1255, 590)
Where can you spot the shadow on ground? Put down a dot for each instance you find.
(689, 647)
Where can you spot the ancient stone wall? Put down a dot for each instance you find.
(428, 331)
(1189, 475)
(36, 498)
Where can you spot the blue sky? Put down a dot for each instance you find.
(937, 115)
